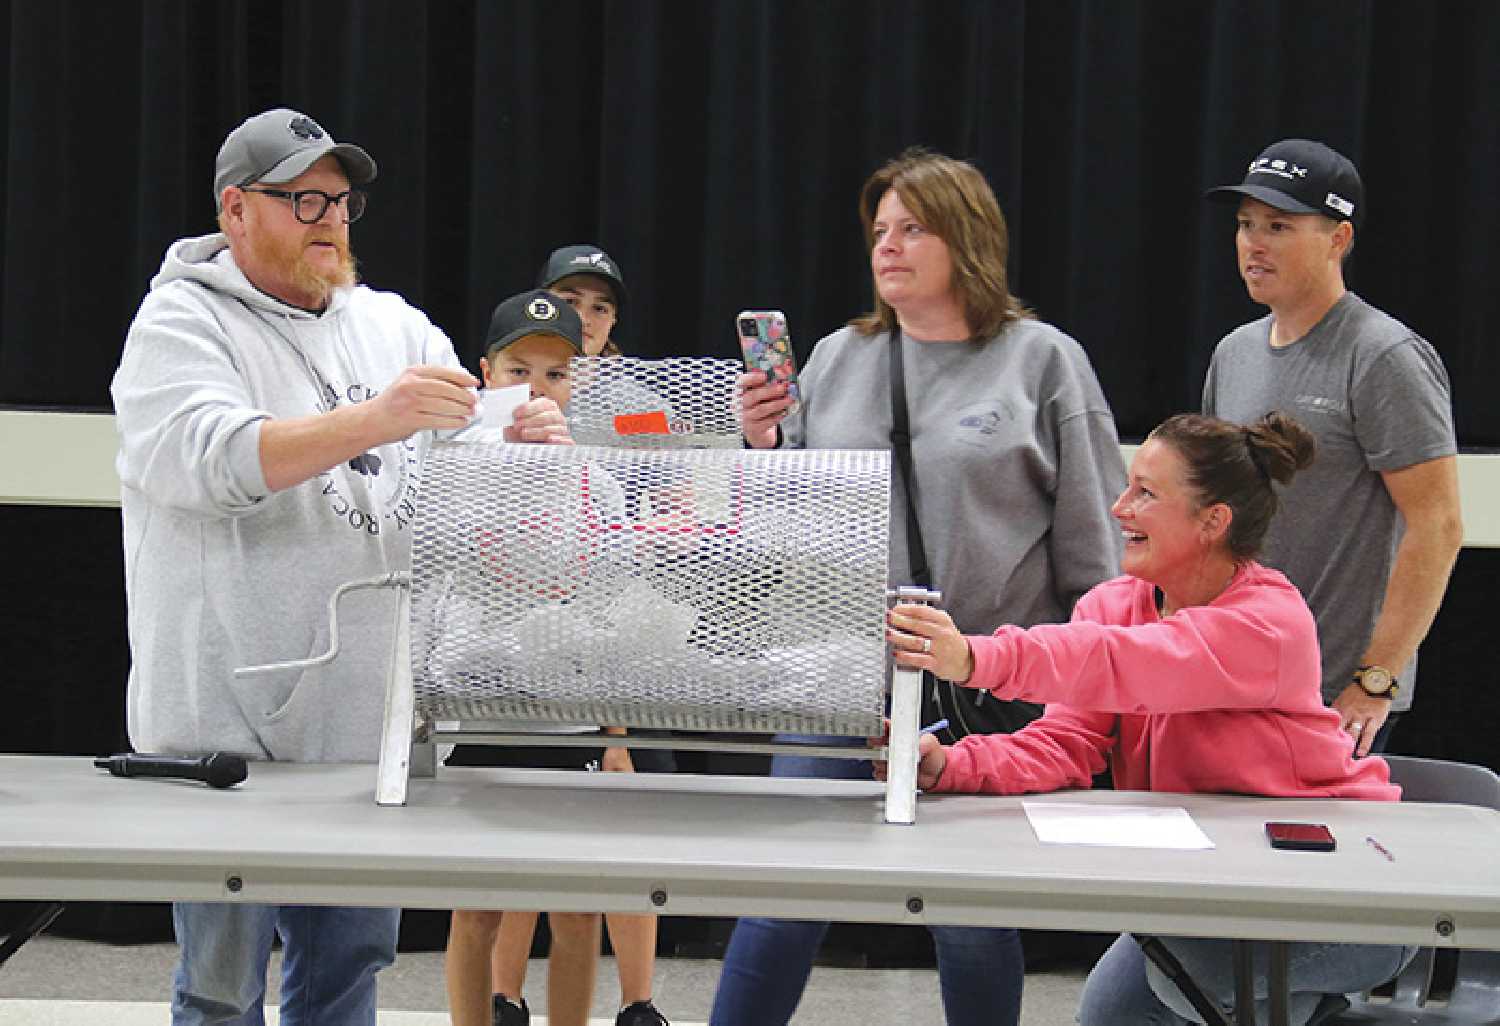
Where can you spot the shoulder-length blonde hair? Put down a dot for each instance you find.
(953, 201)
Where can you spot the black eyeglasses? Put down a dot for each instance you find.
(309, 205)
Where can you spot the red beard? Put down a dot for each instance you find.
(285, 260)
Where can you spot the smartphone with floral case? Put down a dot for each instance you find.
(767, 346)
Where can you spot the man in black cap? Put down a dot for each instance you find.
(1370, 532)
(273, 418)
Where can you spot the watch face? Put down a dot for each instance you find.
(1376, 680)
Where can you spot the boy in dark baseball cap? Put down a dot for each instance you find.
(592, 284)
(531, 339)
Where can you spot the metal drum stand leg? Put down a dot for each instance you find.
(906, 728)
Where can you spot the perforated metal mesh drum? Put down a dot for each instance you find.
(683, 402)
(694, 589)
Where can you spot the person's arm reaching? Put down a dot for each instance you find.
(424, 398)
(1065, 748)
(1235, 653)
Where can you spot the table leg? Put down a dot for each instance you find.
(1244, 983)
(1277, 991)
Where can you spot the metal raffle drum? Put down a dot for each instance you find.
(663, 577)
(715, 589)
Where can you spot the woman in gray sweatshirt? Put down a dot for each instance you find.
(1014, 465)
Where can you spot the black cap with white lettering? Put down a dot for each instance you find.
(1301, 176)
(567, 261)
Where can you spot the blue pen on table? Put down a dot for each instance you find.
(1380, 848)
(933, 728)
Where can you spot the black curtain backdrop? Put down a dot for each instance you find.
(715, 149)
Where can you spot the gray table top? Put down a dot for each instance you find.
(692, 845)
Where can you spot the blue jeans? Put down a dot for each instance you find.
(980, 969)
(329, 960)
(1125, 987)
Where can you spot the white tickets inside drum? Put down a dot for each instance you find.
(497, 406)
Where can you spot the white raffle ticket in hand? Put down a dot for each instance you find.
(497, 406)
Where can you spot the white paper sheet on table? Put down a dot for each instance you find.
(1118, 826)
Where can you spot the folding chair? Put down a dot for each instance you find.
(1445, 986)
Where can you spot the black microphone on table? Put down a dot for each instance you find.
(220, 769)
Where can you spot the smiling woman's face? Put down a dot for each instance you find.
(1161, 518)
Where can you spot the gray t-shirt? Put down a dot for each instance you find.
(1015, 459)
(1377, 398)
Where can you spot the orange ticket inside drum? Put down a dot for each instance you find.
(642, 423)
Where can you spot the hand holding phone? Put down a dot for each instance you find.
(766, 346)
(1300, 836)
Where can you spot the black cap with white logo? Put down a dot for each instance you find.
(1301, 176)
(537, 312)
(566, 261)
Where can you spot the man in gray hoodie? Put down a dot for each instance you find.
(273, 420)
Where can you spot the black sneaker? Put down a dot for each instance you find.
(508, 1013)
(642, 1013)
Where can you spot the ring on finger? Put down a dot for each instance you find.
(1355, 727)
(926, 645)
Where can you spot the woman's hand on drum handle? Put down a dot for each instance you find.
(924, 638)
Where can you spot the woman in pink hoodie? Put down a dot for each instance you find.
(1198, 671)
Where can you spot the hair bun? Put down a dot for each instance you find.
(1280, 446)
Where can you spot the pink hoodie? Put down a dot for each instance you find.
(1222, 698)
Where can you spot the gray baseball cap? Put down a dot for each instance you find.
(279, 145)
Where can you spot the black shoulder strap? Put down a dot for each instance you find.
(901, 445)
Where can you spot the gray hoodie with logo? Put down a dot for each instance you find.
(221, 572)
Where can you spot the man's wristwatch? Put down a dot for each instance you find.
(1377, 681)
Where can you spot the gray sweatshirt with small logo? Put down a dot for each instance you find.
(219, 571)
(1015, 457)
